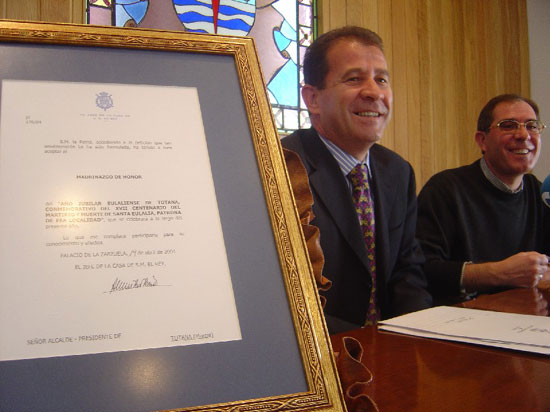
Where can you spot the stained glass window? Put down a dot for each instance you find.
(282, 30)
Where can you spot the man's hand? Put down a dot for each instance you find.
(523, 270)
(544, 283)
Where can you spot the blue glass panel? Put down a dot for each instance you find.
(186, 2)
(137, 10)
(192, 16)
(283, 85)
(230, 11)
(281, 41)
(288, 31)
(127, 1)
(121, 16)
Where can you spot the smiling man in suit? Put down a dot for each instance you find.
(364, 194)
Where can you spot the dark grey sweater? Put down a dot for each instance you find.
(463, 217)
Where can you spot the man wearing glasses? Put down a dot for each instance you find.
(484, 227)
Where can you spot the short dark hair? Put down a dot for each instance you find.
(486, 115)
(315, 59)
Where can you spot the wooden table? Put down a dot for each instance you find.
(418, 374)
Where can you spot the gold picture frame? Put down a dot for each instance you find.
(37, 51)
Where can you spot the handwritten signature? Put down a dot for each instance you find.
(530, 328)
(146, 282)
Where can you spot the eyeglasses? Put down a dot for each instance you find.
(533, 127)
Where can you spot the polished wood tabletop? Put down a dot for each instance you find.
(420, 374)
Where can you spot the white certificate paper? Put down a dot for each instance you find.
(110, 234)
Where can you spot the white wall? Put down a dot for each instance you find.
(538, 15)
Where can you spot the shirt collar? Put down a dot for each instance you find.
(344, 159)
(495, 181)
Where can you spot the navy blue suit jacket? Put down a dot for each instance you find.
(401, 284)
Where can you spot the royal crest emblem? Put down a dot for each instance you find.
(104, 101)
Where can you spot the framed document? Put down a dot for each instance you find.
(151, 256)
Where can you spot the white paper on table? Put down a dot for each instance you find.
(111, 237)
(485, 342)
(508, 330)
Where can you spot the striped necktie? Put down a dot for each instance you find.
(365, 212)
